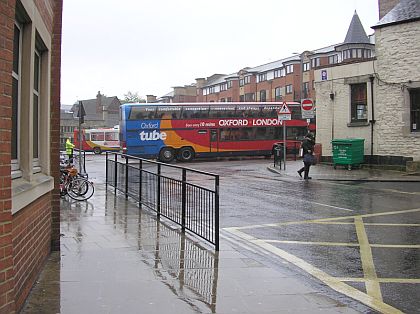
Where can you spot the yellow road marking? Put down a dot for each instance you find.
(372, 285)
(332, 282)
(381, 280)
(328, 220)
(402, 246)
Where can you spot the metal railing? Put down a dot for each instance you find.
(292, 151)
(171, 191)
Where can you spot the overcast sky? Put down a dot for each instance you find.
(149, 46)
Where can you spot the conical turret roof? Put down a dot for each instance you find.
(356, 33)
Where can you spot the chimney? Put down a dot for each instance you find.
(385, 6)
(200, 82)
(151, 98)
(99, 103)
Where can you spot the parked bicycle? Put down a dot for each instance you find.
(74, 185)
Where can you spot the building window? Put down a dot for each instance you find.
(35, 109)
(277, 93)
(359, 102)
(223, 87)
(289, 89)
(306, 67)
(16, 81)
(229, 84)
(415, 109)
(247, 79)
(242, 98)
(222, 100)
(263, 95)
(250, 97)
(305, 88)
(289, 68)
(229, 99)
(277, 73)
(241, 82)
(333, 59)
(316, 62)
(262, 77)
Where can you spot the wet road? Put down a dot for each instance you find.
(362, 237)
(314, 246)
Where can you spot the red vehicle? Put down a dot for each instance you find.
(186, 131)
(98, 140)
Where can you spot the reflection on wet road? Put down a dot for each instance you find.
(359, 238)
(288, 245)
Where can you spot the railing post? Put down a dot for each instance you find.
(115, 173)
(106, 169)
(184, 198)
(216, 213)
(158, 190)
(126, 177)
(140, 180)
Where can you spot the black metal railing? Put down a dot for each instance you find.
(188, 197)
(292, 151)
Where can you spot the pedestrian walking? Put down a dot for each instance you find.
(308, 157)
(69, 150)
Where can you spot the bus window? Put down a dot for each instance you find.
(111, 136)
(168, 112)
(97, 136)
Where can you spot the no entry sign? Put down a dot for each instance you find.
(307, 109)
(307, 104)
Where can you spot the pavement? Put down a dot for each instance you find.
(327, 172)
(116, 258)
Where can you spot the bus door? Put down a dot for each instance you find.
(214, 143)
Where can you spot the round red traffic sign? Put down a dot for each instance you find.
(307, 104)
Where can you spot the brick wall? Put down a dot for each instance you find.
(55, 122)
(31, 244)
(397, 51)
(6, 248)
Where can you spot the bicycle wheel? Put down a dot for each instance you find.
(80, 189)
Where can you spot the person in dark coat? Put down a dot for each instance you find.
(308, 150)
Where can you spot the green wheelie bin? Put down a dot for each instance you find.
(348, 152)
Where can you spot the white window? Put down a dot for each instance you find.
(262, 77)
(289, 89)
(306, 67)
(289, 68)
(16, 86)
(316, 62)
(247, 79)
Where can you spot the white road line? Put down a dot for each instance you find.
(331, 206)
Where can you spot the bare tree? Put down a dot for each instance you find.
(131, 97)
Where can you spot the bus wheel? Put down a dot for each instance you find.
(186, 154)
(166, 154)
(97, 150)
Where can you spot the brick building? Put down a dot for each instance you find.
(30, 58)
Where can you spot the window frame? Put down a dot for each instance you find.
(16, 77)
(414, 113)
(289, 89)
(356, 103)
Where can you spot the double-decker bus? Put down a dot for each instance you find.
(98, 140)
(188, 130)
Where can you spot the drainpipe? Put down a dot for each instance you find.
(372, 121)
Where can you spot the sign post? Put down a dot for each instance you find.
(81, 115)
(283, 115)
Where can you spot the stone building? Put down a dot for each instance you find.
(397, 80)
(344, 92)
(30, 58)
(379, 99)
